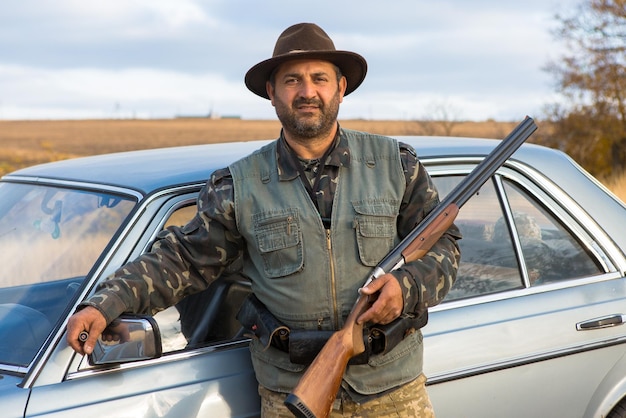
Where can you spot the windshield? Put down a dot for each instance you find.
(50, 237)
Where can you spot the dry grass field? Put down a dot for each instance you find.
(25, 143)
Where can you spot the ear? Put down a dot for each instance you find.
(343, 85)
(270, 91)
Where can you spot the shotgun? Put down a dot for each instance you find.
(316, 391)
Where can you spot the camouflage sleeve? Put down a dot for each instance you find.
(425, 282)
(182, 261)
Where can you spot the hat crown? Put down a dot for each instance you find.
(306, 41)
(303, 37)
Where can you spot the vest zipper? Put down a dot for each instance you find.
(333, 287)
(287, 218)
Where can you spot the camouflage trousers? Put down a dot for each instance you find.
(410, 400)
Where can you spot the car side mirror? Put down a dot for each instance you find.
(128, 338)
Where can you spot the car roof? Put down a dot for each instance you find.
(145, 170)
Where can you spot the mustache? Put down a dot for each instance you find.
(309, 102)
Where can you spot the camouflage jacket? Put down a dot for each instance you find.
(185, 260)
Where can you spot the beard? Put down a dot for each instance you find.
(311, 125)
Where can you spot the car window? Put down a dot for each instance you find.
(550, 252)
(205, 317)
(510, 241)
(488, 265)
(168, 320)
(181, 215)
(47, 224)
(41, 228)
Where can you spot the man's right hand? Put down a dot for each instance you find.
(90, 320)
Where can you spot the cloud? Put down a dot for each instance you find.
(117, 18)
(158, 58)
(97, 93)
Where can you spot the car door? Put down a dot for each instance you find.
(508, 340)
(210, 377)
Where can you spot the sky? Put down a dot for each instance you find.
(453, 59)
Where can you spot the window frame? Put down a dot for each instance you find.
(169, 208)
(554, 201)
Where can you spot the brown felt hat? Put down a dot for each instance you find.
(306, 41)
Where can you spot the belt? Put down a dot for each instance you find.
(304, 345)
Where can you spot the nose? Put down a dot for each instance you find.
(307, 89)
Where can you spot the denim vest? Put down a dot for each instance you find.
(309, 277)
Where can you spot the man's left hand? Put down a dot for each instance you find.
(387, 300)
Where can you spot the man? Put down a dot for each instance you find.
(312, 213)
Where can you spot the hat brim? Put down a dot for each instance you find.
(353, 66)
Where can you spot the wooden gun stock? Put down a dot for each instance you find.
(318, 387)
(435, 229)
(315, 393)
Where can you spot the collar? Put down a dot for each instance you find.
(338, 157)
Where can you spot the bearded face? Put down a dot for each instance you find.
(306, 95)
(308, 118)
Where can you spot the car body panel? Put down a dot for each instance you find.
(13, 397)
(610, 390)
(491, 344)
(209, 383)
(532, 389)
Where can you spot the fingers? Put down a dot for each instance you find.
(73, 331)
(91, 342)
(388, 302)
(375, 285)
(84, 328)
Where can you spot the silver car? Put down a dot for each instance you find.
(532, 327)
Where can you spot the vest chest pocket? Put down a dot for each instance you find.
(375, 227)
(279, 241)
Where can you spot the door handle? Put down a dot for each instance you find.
(601, 322)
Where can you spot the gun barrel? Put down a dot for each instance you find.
(466, 188)
(488, 167)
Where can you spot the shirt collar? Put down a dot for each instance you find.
(338, 157)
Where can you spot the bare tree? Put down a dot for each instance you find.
(441, 114)
(592, 76)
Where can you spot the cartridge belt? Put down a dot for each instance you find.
(304, 345)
